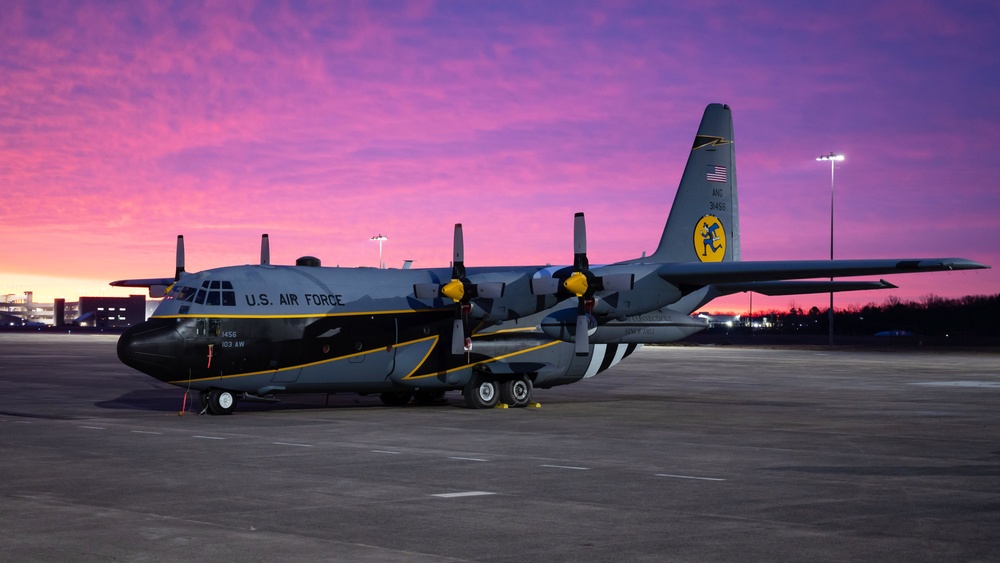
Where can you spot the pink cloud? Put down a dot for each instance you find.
(125, 124)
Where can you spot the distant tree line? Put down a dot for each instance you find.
(974, 316)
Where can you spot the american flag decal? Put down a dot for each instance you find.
(715, 173)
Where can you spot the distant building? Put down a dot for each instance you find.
(111, 312)
(25, 308)
(98, 312)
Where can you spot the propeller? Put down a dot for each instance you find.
(582, 283)
(460, 290)
(180, 258)
(265, 250)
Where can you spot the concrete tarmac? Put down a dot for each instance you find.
(677, 454)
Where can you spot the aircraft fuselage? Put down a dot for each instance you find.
(295, 329)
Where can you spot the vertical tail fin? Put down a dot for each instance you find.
(704, 223)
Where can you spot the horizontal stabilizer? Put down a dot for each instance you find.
(148, 282)
(718, 273)
(774, 288)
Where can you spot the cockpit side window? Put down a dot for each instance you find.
(228, 295)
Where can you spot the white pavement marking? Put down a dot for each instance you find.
(567, 467)
(292, 444)
(209, 437)
(468, 459)
(145, 432)
(689, 477)
(92, 427)
(465, 494)
(385, 452)
(989, 384)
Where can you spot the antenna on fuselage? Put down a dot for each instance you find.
(265, 250)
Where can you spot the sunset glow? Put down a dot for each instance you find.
(124, 124)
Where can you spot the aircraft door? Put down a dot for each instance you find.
(391, 359)
(203, 346)
(278, 358)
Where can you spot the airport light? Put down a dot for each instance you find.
(380, 238)
(834, 159)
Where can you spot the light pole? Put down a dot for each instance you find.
(380, 238)
(834, 159)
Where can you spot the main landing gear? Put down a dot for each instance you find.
(218, 401)
(484, 391)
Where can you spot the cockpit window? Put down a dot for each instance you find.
(212, 292)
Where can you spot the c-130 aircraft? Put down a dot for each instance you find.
(494, 333)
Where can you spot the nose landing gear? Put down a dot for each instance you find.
(218, 401)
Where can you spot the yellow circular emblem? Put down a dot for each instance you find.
(710, 239)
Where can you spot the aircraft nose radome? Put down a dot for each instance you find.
(152, 347)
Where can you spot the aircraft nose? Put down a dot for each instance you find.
(152, 347)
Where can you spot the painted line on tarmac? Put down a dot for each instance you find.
(567, 467)
(146, 432)
(209, 437)
(973, 384)
(91, 427)
(385, 452)
(292, 444)
(463, 494)
(468, 459)
(689, 477)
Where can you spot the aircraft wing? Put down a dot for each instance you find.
(157, 286)
(148, 282)
(719, 273)
(774, 288)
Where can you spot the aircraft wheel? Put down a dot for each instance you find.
(203, 401)
(482, 392)
(395, 398)
(516, 392)
(221, 401)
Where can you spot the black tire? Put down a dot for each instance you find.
(221, 402)
(516, 392)
(395, 398)
(482, 392)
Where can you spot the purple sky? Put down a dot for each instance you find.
(123, 124)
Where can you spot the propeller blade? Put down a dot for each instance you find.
(265, 250)
(458, 337)
(180, 258)
(581, 337)
(458, 263)
(580, 243)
